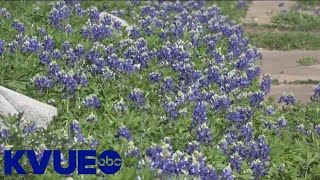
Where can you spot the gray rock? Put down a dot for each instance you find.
(12, 103)
(115, 18)
(6, 108)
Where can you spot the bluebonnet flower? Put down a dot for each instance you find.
(166, 162)
(96, 31)
(75, 127)
(4, 134)
(42, 31)
(236, 162)
(192, 146)
(57, 54)
(265, 84)
(282, 168)
(282, 122)
(79, 138)
(59, 13)
(82, 79)
(107, 73)
(316, 12)
(270, 110)
(124, 132)
(79, 50)
(287, 99)
(303, 130)
(199, 115)
(167, 84)
(317, 129)
(66, 46)
(117, 25)
(241, 149)
(2, 48)
(92, 118)
(19, 26)
(71, 58)
(247, 132)
(253, 72)
(94, 14)
(282, 6)
(242, 4)
(316, 93)
(209, 173)
(31, 45)
(54, 69)
(55, 17)
(12, 46)
(137, 96)
(42, 82)
(39, 152)
(93, 142)
(171, 109)
(132, 150)
(79, 10)
(120, 106)
(155, 77)
(257, 168)
(264, 149)
(128, 66)
(239, 114)
(226, 174)
(256, 98)
(134, 33)
(224, 146)
(92, 101)
(68, 80)
(219, 102)
(5, 13)
(44, 58)
(68, 29)
(204, 134)
(30, 128)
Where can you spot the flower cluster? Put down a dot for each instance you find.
(169, 163)
(137, 97)
(287, 99)
(42, 82)
(92, 101)
(77, 135)
(124, 132)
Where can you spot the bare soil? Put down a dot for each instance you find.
(283, 66)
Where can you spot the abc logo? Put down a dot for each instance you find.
(109, 162)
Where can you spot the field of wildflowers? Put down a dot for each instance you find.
(178, 95)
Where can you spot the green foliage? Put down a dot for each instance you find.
(294, 18)
(285, 40)
(308, 61)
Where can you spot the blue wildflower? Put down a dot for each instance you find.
(42, 82)
(2, 48)
(287, 99)
(137, 96)
(124, 132)
(92, 101)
